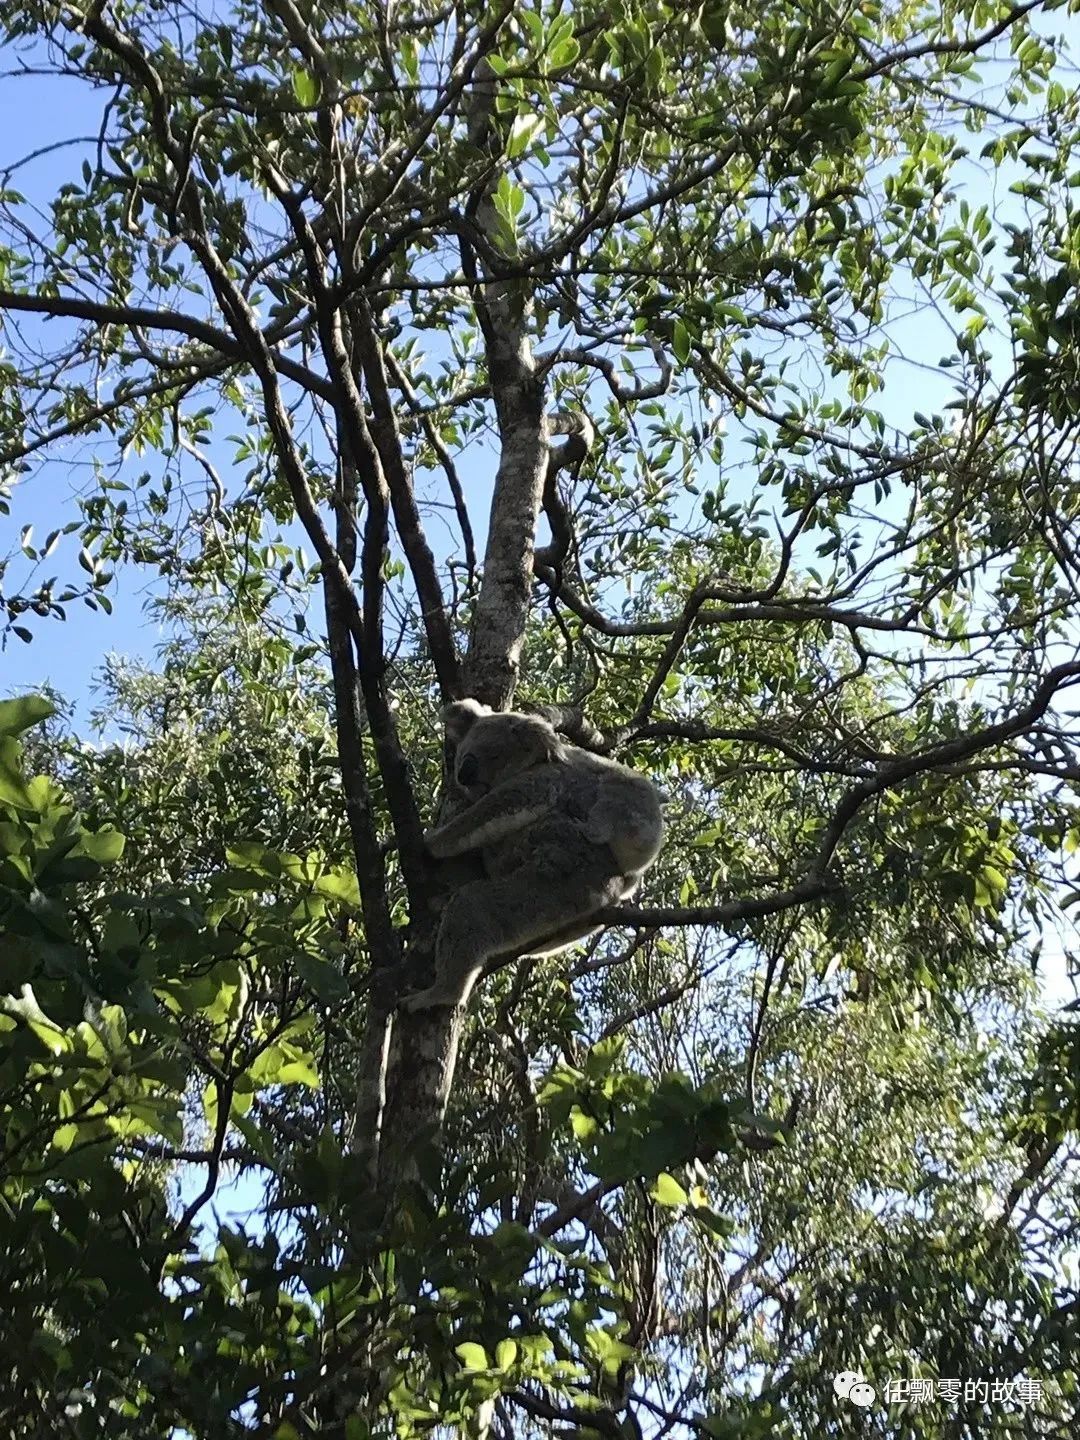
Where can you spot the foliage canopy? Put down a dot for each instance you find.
(714, 366)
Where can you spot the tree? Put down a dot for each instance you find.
(756, 1142)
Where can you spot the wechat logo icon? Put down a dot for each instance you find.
(850, 1385)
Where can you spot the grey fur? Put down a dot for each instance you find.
(562, 834)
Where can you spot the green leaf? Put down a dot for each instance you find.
(63, 1137)
(237, 882)
(317, 971)
(667, 1191)
(534, 23)
(522, 133)
(340, 885)
(680, 340)
(410, 59)
(19, 714)
(718, 1224)
(509, 198)
(563, 54)
(104, 846)
(298, 1072)
(724, 309)
(26, 1007)
(251, 856)
(306, 88)
(610, 1351)
(472, 1356)
(14, 789)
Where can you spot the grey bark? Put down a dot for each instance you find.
(425, 1045)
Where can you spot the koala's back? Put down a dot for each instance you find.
(552, 847)
(606, 818)
(621, 809)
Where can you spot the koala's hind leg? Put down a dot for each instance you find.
(619, 888)
(505, 917)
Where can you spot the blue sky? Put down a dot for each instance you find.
(37, 112)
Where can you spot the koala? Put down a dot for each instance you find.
(561, 834)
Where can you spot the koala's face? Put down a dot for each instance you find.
(497, 746)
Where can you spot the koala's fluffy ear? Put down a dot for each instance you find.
(458, 719)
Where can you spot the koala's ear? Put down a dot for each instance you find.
(535, 733)
(459, 717)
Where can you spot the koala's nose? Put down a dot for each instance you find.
(468, 770)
